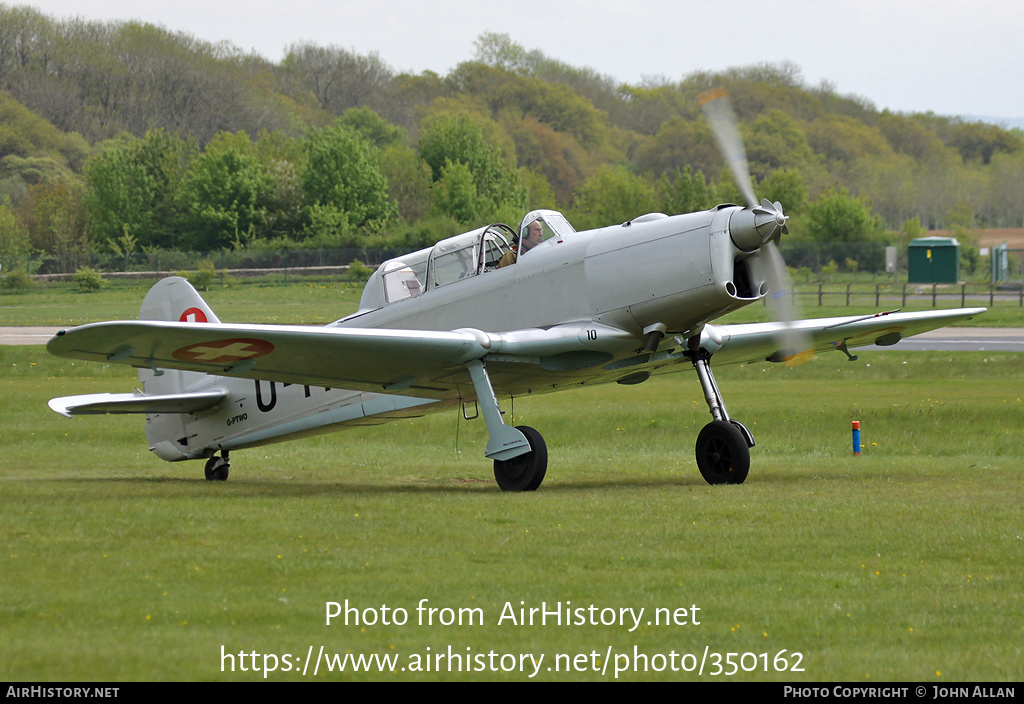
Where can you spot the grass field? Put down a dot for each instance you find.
(320, 302)
(905, 563)
(313, 303)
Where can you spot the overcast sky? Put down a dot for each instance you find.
(950, 57)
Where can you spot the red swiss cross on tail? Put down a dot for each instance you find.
(193, 315)
(224, 351)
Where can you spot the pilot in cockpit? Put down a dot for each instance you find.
(530, 235)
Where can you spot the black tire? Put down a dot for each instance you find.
(216, 469)
(526, 472)
(723, 456)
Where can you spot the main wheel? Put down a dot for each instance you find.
(216, 469)
(526, 472)
(722, 453)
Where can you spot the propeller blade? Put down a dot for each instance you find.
(719, 113)
(795, 345)
(760, 227)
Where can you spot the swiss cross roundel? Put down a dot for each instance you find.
(223, 351)
(193, 315)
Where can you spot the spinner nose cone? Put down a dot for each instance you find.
(754, 227)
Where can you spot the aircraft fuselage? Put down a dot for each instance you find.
(672, 273)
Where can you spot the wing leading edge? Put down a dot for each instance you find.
(433, 363)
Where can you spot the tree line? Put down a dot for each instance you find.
(124, 137)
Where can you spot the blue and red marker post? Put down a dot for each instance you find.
(856, 437)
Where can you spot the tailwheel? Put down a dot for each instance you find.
(217, 469)
(723, 454)
(526, 472)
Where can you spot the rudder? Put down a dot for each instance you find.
(172, 299)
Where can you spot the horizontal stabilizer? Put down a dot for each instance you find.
(96, 404)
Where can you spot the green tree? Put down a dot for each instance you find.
(908, 134)
(454, 194)
(680, 143)
(281, 159)
(775, 141)
(328, 226)
(977, 141)
(684, 192)
(458, 138)
(539, 193)
(14, 240)
(554, 105)
(786, 186)
(55, 217)
(133, 188)
(223, 193)
(841, 138)
(556, 155)
(343, 172)
(911, 229)
(18, 173)
(612, 195)
(837, 216)
(120, 196)
(372, 127)
(409, 181)
(339, 79)
(24, 133)
(1006, 190)
(499, 51)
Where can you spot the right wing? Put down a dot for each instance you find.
(419, 362)
(351, 358)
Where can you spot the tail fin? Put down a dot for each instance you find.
(173, 299)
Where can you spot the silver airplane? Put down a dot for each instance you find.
(451, 326)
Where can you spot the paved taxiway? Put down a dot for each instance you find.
(945, 339)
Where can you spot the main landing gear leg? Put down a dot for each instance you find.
(520, 455)
(217, 468)
(723, 445)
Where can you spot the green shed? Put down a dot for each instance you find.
(933, 260)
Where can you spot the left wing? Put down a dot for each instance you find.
(759, 341)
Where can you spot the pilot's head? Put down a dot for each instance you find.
(533, 235)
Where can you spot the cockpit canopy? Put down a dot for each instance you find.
(449, 260)
(466, 255)
(553, 223)
(453, 259)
